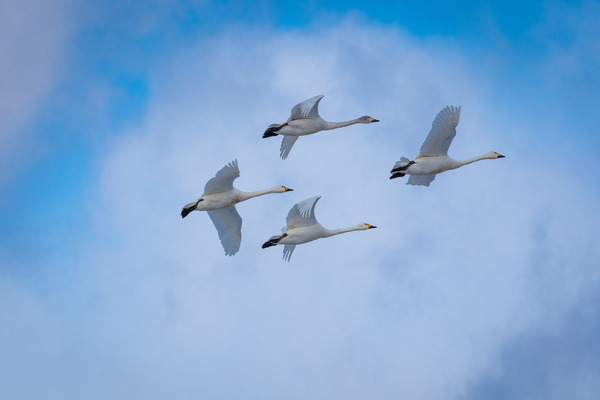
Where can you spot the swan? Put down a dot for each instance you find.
(305, 120)
(302, 227)
(219, 201)
(434, 152)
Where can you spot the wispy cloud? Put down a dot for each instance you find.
(33, 36)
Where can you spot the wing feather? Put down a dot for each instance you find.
(421, 180)
(223, 180)
(229, 226)
(308, 109)
(288, 249)
(303, 213)
(286, 146)
(442, 132)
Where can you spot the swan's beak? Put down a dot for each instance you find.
(371, 226)
(287, 189)
(500, 155)
(374, 120)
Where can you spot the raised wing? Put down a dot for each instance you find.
(286, 146)
(421, 180)
(308, 109)
(223, 180)
(442, 132)
(288, 249)
(303, 213)
(229, 226)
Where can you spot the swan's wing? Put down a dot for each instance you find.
(307, 109)
(421, 180)
(223, 180)
(286, 146)
(288, 249)
(442, 132)
(303, 213)
(229, 225)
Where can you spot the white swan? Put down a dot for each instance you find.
(302, 227)
(434, 151)
(219, 201)
(305, 120)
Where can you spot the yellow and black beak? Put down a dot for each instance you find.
(500, 155)
(287, 189)
(371, 226)
(374, 120)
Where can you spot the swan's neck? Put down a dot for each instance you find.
(471, 160)
(332, 232)
(248, 195)
(335, 125)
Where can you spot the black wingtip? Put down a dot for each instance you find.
(397, 175)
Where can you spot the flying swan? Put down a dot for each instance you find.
(434, 152)
(302, 227)
(219, 201)
(305, 120)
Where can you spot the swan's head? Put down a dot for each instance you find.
(282, 189)
(367, 120)
(364, 227)
(493, 154)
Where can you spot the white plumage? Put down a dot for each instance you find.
(219, 201)
(434, 158)
(305, 120)
(302, 227)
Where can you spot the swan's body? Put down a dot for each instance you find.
(302, 227)
(434, 157)
(219, 201)
(305, 120)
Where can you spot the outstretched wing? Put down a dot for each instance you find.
(308, 109)
(442, 132)
(421, 180)
(288, 249)
(223, 180)
(303, 213)
(286, 146)
(229, 226)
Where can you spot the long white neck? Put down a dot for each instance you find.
(466, 161)
(334, 125)
(248, 195)
(332, 232)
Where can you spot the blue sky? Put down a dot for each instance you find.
(484, 285)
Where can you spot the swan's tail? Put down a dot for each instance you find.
(402, 165)
(273, 241)
(272, 129)
(188, 208)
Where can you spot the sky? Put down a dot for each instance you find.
(485, 285)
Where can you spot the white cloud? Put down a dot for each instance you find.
(417, 308)
(32, 38)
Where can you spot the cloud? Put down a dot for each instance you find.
(419, 308)
(33, 36)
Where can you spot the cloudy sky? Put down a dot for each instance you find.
(486, 285)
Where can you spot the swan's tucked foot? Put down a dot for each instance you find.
(402, 166)
(272, 129)
(189, 208)
(273, 241)
(397, 175)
